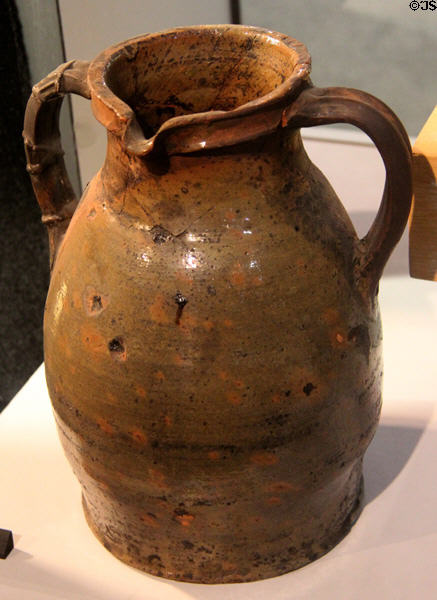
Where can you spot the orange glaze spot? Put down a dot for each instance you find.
(230, 215)
(256, 519)
(228, 566)
(157, 310)
(208, 325)
(140, 391)
(73, 369)
(185, 519)
(178, 360)
(160, 376)
(264, 459)
(276, 398)
(257, 280)
(93, 339)
(280, 487)
(238, 276)
(238, 383)
(223, 375)
(234, 398)
(338, 337)
(150, 520)
(228, 323)
(105, 426)
(273, 501)
(168, 421)
(139, 436)
(213, 455)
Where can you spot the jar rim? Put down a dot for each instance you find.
(202, 130)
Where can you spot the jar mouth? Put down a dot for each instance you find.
(153, 87)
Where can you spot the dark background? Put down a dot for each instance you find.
(24, 254)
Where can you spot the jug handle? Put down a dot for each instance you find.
(322, 106)
(44, 153)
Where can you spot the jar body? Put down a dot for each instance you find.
(214, 370)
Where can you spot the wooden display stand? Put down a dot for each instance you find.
(423, 217)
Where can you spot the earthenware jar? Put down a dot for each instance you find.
(212, 335)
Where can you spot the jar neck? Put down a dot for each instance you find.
(173, 191)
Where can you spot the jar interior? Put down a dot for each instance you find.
(196, 70)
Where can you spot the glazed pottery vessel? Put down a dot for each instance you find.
(212, 334)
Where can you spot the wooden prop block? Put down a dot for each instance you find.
(423, 216)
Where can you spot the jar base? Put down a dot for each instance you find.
(225, 571)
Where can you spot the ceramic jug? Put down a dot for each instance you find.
(212, 333)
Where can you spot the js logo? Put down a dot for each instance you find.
(423, 5)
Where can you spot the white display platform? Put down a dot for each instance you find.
(390, 554)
